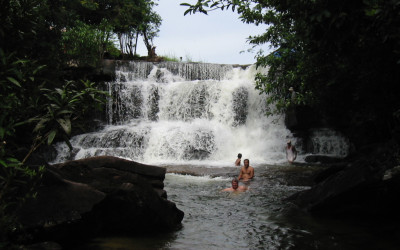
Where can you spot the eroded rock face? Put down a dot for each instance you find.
(99, 195)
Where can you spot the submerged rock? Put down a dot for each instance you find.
(99, 195)
(321, 159)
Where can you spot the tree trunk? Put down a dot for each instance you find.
(151, 50)
(137, 36)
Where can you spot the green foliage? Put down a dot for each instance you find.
(65, 107)
(341, 57)
(39, 104)
(84, 45)
(112, 51)
(17, 92)
(17, 184)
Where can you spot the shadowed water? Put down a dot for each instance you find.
(259, 218)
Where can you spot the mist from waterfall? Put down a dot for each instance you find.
(184, 113)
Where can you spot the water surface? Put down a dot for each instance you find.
(259, 218)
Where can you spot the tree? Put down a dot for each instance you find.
(149, 30)
(37, 107)
(131, 18)
(341, 57)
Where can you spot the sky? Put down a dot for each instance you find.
(218, 37)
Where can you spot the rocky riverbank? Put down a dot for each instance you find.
(99, 195)
(366, 185)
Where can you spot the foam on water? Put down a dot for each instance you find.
(177, 113)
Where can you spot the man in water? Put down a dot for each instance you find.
(247, 171)
(291, 152)
(238, 160)
(235, 187)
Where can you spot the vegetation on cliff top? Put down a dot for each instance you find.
(341, 57)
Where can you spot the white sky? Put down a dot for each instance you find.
(218, 37)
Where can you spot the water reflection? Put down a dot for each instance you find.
(220, 220)
(256, 219)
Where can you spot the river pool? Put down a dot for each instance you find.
(259, 218)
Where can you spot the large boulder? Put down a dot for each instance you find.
(99, 195)
(367, 186)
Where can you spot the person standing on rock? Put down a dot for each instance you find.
(238, 160)
(291, 152)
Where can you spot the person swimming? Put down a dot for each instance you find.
(235, 187)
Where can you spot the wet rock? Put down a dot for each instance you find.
(42, 246)
(326, 173)
(240, 99)
(321, 159)
(368, 186)
(99, 195)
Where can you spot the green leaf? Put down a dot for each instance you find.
(3, 163)
(64, 112)
(187, 11)
(11, 79)
(39, 68)
(41, 124)
(66, 140)
(51, 136)
(65, 124)
(13, 160)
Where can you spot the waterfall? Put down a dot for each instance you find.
(328, 142)
(184, 113)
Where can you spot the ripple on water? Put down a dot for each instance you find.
(255, 219)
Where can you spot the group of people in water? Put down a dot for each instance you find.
(247, 172)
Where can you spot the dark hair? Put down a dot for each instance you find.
(235, 180)
(239, 155)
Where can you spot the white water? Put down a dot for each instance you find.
(185, 113)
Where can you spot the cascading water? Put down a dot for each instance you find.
(328, 142)
(174, 113)
(196, 118)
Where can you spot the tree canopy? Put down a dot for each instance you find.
(341, 57)
(40, 101)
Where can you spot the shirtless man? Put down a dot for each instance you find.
(247, 172)
(235, 187)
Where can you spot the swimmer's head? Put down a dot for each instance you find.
(235, 183)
